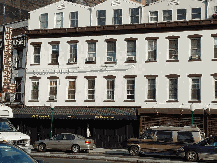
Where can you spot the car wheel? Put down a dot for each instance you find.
(134, 151)
(75, 148)
(191, 156)
(41, 147)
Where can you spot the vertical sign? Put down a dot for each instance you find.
(7, 49)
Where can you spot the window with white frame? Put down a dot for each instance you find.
(151, 89)
(35, 89)
(111, 51)
(74, 19)
(73, 53)
(181, 14)
(117, 16)
(173, 49)
(153, 16)
(19, 94)
(91, 89)
(195, 48)
(196, 13)
(53, 90)
(130, 88)
(173, 88)
(37, 49)
(59, 20)
(44, 21)
(110, 89)
(55, 53)
(131, 50)
(91, 51)
(195, 88)
(167, 15)
(134, 15)
(152, 50)
(71, 89)
(101, 16)
(215, 47)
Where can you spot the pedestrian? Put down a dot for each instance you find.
(88, 132)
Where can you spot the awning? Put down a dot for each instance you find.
(44, 112)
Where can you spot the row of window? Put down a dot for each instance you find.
(130, 88)
(117, 17)
(131, 50)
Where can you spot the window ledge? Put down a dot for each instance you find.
(172, 101)
(172, 60)
(108, 101)
(149, 61)
(190, 60)
(90, 62)
(89, 100)
(215, 101)
(214, 59)
(34, 64)
(195, 101)
(70, 100)
(71, 63)
(53, 63)
(51, 101)
(129, 100)
(110, 62)
(150, 101)
(33, 101)
(130, 62)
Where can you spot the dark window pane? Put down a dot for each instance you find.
(181, 14)
(185, 137)
(164, 136)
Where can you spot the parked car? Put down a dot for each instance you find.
(11, 153)
(65, 141)
(163, 140)
(206, 149)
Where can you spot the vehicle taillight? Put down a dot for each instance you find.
(87, 142)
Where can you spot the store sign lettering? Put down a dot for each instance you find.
(19, 41)
(104, 117)
(40, 116)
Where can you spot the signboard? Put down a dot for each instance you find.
(19, 41)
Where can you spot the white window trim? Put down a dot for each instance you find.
(72, 53)
(55, 20)
(49, 88)
(67, 88)
(152, 50)
(133, 53)
(186, 15)
(169, 15)
(50, 58)
(30, 97)
(72, 19)
(36, 54)
(41, 21)
(91, 89)
(177, 53)
(136, 15)
(190, 86)
(195, 14)
(114, 59)
(110, 89)
(169, 89)
(134, 89)
(91, 52)
(100, 17)
(195, 48)
(113, 18)
(153, 16)
(146, 96)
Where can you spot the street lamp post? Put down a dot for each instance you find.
(192, 113)
(51, 127)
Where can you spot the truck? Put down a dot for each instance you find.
(8, 132)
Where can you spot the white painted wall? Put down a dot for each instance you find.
(160, 68)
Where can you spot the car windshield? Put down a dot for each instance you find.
(6, 126)
(9, 154)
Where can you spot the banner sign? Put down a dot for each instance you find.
(19, 41)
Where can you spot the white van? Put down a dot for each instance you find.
(8, 133)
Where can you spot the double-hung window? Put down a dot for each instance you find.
(215, 47)
(74, 19)
(196, 13)
(173, 49)
(173, 88)
(110, 89)
(151, 89)
(19, 93)
(152, 50)
(181, 14)
(59, 20)
(195, 48)
(53, 90)
(37, 49)
(195, 88)
(117, 16)
(91, 51)
(73, 53)
(131, 50)
(167, 15)
(91, 89)
(71, 89)
(153, 16)
(101, 15)
(35, 89)
(130, 88)
(134, 15)
(44, 21)
(55, 53)
(111, 51)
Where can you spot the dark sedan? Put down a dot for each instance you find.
(206, 150)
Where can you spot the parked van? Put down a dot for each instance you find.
(163, 140)
(8, 132)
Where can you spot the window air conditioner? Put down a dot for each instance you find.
(131, 58)
(71, 60)
(91, 59)
(52, 97)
